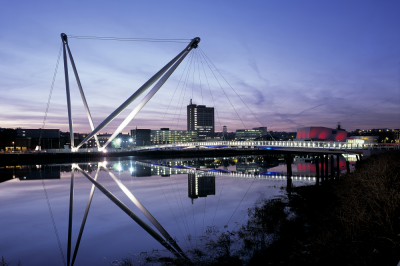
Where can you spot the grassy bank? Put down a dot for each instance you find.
(351, 221)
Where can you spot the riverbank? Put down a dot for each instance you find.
(353, 220)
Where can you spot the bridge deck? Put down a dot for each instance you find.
(287, 146)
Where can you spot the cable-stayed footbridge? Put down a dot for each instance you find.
(157, 81)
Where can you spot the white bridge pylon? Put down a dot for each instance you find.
(162, 76)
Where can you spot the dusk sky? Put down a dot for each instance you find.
(294, 63)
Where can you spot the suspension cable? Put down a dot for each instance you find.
(240, 203)
(180, 95)
(172, 212)
(51, 92)
(176, 88)
(212, 97)
(184, 91)
(205, 205)
(231, 87)
(183, 216)
(194, 225)
(184, 213)
(236, 94)
(198, 68)
(223, 89)
(127, 39)
(220, 194)
(52, 216)
(251, 207)
(194, 70)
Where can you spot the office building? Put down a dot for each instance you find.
(224, 132)
(263, 130)
(380, 135)
(145, 137)
(201, 119)
(248, 134)
(49, 138)
(141, 137)
(362, 139)
(36, 133)
(280, 135)
(166, 136)
(9, 140)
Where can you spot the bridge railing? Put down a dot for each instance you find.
(292, 144)
(247, 145)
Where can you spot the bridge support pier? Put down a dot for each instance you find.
(337, 166)
(317, 169)
(332, 169)
(289, 171)
(322, 167)
(348, 167)
(326, 165)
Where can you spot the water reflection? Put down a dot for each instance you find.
(306, 165)
(168, 242)
(302, 165)
(200, 185)
(30, 172)
(222, 189)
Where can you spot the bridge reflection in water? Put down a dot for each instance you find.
(262, 167)
(201, 183)
(168, 242)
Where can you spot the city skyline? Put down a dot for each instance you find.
(298, 65)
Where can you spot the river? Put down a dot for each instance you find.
(184, 195)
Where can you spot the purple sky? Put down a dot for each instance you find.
(294, 63)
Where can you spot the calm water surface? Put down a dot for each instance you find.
(184, 204)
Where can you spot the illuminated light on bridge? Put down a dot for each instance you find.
(269, 173)
(217, 171)
(267, 148)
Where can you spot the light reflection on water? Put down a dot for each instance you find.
(27, 232)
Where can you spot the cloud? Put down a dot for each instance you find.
(310, 109)
(254, 66)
